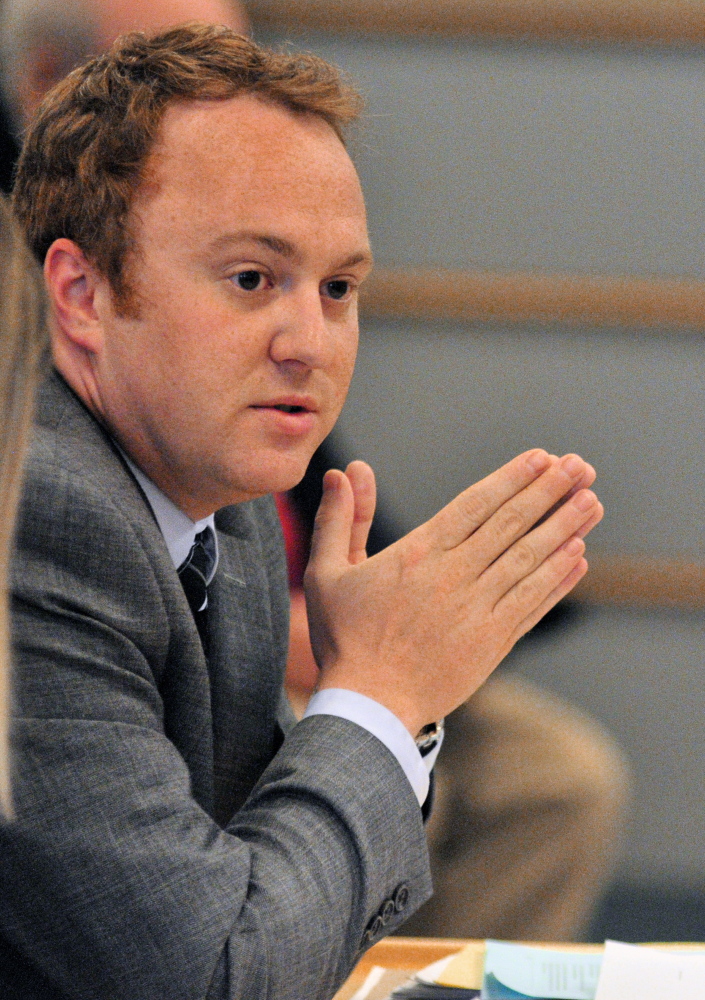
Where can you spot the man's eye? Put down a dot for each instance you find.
(337, 289)
(249, 281)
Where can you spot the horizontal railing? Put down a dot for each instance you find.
(515, 297)
(480, 296)
(641, 582)
(646, 22)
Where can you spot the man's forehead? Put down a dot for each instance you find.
(244, 117)
(247, 141)
(245, 165)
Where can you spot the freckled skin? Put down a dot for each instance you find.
(177, 384)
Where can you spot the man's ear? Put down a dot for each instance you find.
(72, 285)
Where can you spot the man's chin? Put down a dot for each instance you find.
(278, 476)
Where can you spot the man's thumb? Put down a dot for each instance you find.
(330, 543)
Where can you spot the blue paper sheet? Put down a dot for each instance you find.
(522, 972)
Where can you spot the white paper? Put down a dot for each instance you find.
(540, 972)
(373, 977)
(631, 972)
(431, 973)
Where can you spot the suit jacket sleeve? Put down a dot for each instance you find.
(133, 870)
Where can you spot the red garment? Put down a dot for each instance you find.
(295, 540)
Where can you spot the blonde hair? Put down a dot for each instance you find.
(23, 346)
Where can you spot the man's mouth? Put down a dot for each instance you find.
(302, 406)
(295, 418)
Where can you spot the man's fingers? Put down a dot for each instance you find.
(589, 477)
(362, 480)
(590, 524)
(523, 601)
(564, 588)
(521, 512)
(464, 515)
(527, 554)
(585, 482)
(332, 529)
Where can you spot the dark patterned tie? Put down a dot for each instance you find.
(193, 573)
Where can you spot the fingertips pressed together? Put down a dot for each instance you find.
(518, 515)
(560, 480)
(573, 519)
(570, 477)
(474, 506)
(554, 570)
(557, 535)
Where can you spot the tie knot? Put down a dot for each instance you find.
(196, 570)
(201, 558)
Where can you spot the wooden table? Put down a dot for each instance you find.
(406, 953)
(413, 954)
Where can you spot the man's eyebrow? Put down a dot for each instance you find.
(275, 243)
(283, 247)
(363, 257)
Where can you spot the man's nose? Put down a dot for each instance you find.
(303, 335)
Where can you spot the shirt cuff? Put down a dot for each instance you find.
(383, 724)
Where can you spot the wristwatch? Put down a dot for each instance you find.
(429, 737)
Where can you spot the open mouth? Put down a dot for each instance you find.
(294, 418)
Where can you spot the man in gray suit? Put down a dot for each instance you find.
(203, 237)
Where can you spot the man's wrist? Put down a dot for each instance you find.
(406, 711)
(378, 720)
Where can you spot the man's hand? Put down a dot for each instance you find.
(421, 625)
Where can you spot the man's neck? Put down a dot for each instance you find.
(178, 529)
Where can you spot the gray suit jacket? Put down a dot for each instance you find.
(170, 842)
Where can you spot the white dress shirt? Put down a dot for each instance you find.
(179, 533)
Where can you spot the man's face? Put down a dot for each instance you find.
(252, 243)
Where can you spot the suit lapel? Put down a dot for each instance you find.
(225, 717)
(182, 679)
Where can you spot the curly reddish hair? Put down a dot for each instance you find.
(86, 151)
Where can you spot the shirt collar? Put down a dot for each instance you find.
(178, 529)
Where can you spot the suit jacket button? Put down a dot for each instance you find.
(401, 897)
(387, 911)
(376, 927)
